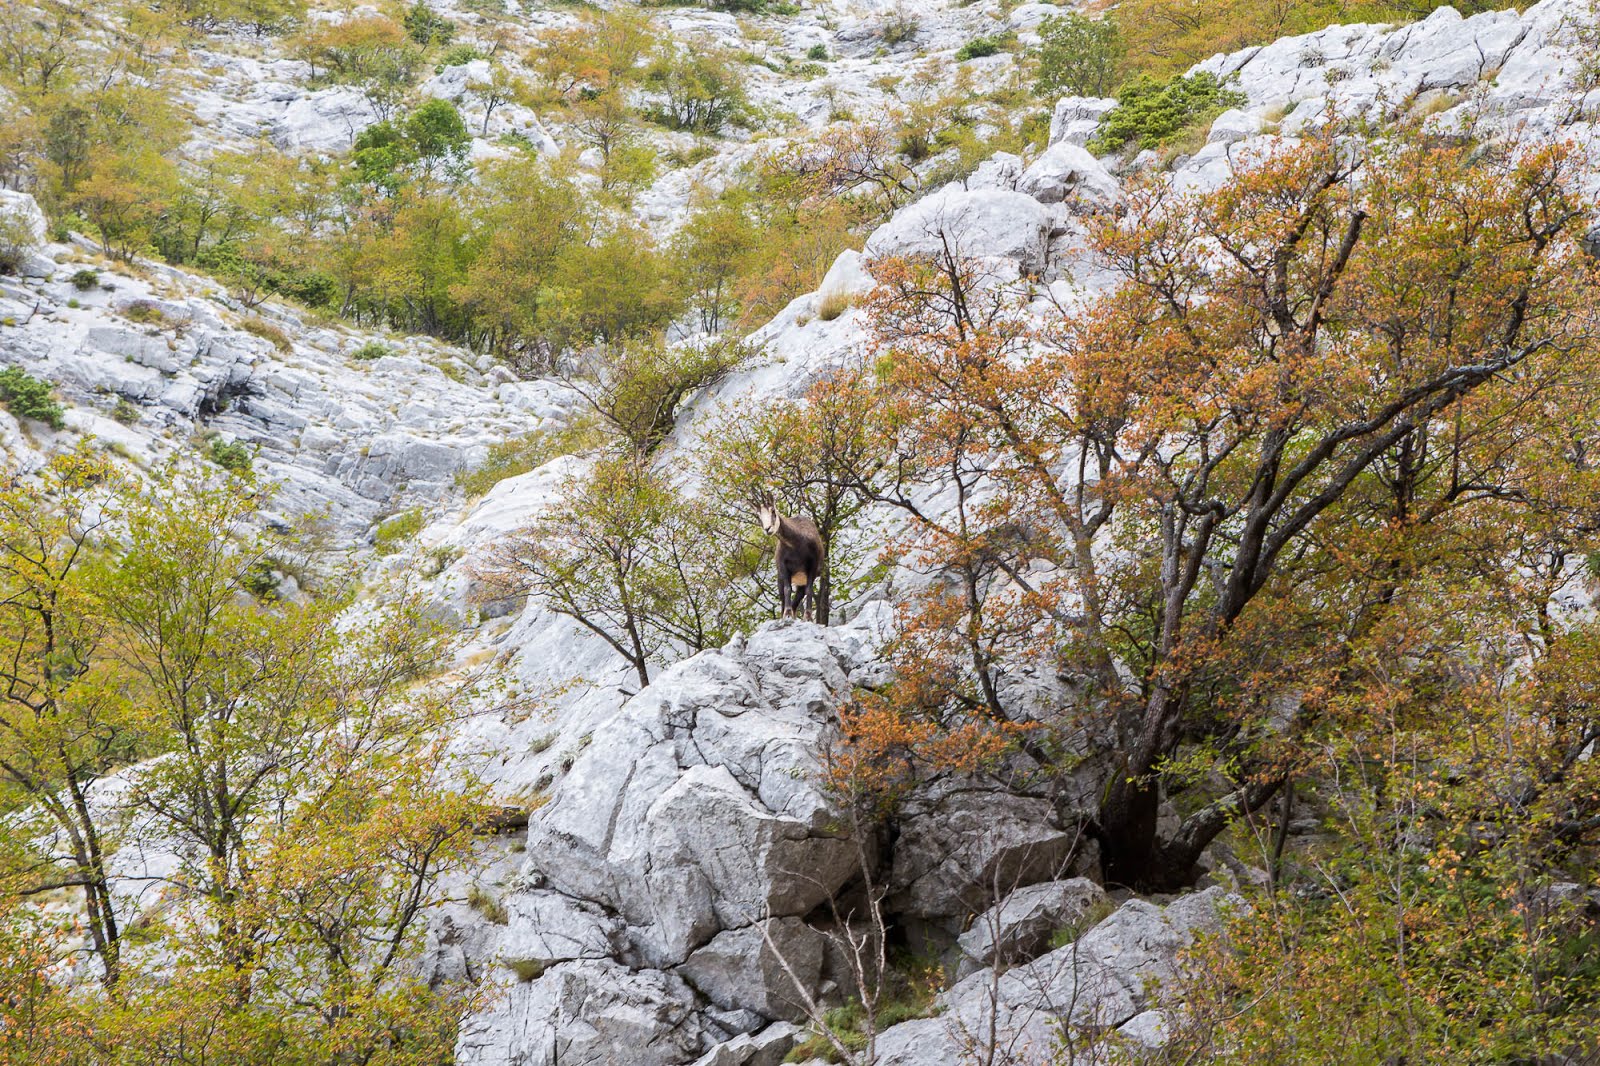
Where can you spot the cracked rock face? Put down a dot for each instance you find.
(1109, 978)
(679, 856)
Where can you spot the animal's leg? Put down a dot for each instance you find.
(811, 600)
(784, 610)
(794, 604)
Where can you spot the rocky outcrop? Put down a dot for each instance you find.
(1020, 927)
(145, 360)
(672, 874)
(1110, 979)
(962, 848)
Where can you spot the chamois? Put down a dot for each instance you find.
(799, 555)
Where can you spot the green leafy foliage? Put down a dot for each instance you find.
(978, 48)
(1078, 56)
(309, 810)
(394, 532)
(27, 397)
(1150, 113)
(234, 456)
(699, 90)
(426, 26)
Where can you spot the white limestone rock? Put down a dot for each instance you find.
(1075, 119)
(957, 844)
(586, 1013)
(1110, 977)
(974, 223)
(769, 1047)
(744, 969)
(696, 808)
(1066, 173)
(1019, 928)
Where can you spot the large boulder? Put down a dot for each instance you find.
(697, 808)
(586, 1013)
(22, 211)
(959, 848)
(761, 968)
(1066, 173)
(1111, 978)
(1021, 927)
(1076, 119)
(971, 223)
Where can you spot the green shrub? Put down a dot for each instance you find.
(701, 91)
(144, 313)
(522, 454)
(909, 993)
(86, 279)
(455, 56)
(234, 456)
(372, 350)
(17, 241)
(426, 26)
(1150, 113)
(977, 48)
(898, 27)
(1077, 56)
(817, 53)
(125, 412)
(27, 397)
(402, 527)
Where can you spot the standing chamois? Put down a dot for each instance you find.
(800, 557)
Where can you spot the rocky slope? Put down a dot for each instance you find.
(620, 835)
(670, 903)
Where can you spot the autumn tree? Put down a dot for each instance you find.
(713, 250)
(301, 782)
(639, 388)
(627, 558)
(1320, 350)
(527, 218)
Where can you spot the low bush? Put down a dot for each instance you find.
(86, 280)
(144, 313)
(898, 27)
(372, 350)
(1149, 113)
(234, 456)
(27, 397)
(402, 527)
(833, 305)
(977, 48)
(455, 56)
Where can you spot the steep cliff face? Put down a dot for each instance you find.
(671, 901)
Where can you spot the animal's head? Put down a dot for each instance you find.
(767, 512)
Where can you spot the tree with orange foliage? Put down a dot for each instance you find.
(1176, 498)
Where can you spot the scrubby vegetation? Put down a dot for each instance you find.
(27, 397)
(311, 814)
(1150, 113)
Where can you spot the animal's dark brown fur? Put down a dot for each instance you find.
(799, 556)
